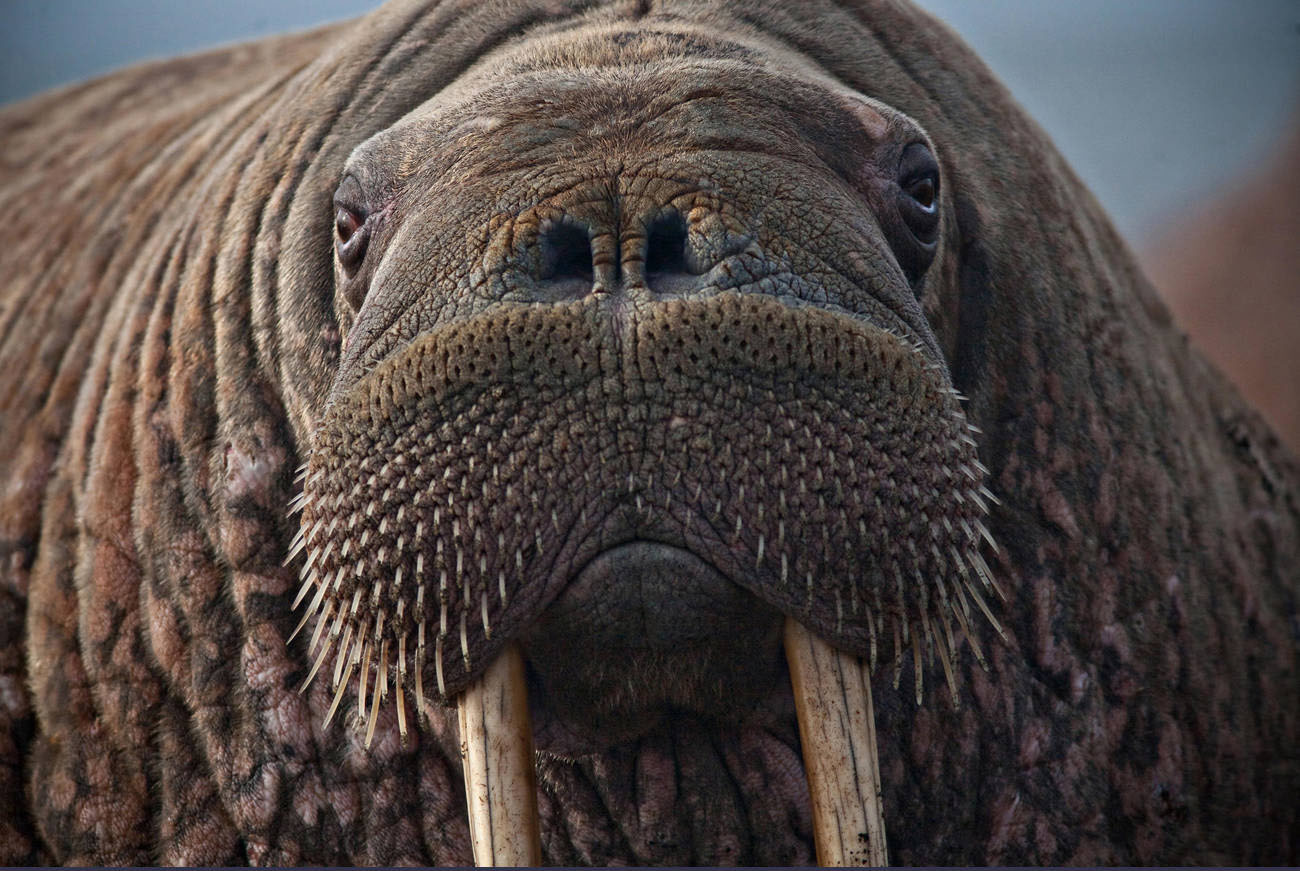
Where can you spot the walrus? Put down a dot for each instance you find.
(610, 390)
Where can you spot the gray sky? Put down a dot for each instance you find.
(1154, 102)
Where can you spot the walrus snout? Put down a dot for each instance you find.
(819, 463)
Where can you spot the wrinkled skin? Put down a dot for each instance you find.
(179, 335)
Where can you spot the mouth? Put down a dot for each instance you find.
(646, 631)
(575, 534)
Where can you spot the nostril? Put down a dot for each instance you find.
(666, 246)
(566, 253)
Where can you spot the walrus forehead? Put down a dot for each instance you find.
(639, 90)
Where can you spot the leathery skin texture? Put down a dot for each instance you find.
(624, 332)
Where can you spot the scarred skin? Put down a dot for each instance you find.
(176, 335)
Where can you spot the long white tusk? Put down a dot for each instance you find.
(496, 745)
(832, 695)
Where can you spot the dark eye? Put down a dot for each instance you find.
(351, 225)
(918, 181)
(346, 224)
(924, 192)
(350, 236)
(914, 228)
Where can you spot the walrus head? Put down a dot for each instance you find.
(636, 368)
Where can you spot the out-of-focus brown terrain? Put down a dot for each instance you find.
(1229, 268)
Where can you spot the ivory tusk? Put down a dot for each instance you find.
(837, 726)
(496, 744)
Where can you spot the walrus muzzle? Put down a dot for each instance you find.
(816, 461)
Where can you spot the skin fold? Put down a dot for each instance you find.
(653, 265)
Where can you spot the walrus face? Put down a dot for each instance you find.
(635, 370)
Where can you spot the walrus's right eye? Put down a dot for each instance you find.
(351, 235)
(351, 223)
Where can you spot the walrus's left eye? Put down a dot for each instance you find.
(924, 191)
(916, 199)
(918, 179)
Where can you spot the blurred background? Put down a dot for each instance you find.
(1183, 116)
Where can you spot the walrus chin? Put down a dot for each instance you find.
(455, 492)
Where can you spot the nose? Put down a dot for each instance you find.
(647, 255)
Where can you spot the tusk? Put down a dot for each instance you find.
(832, 695)
(496, 746)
